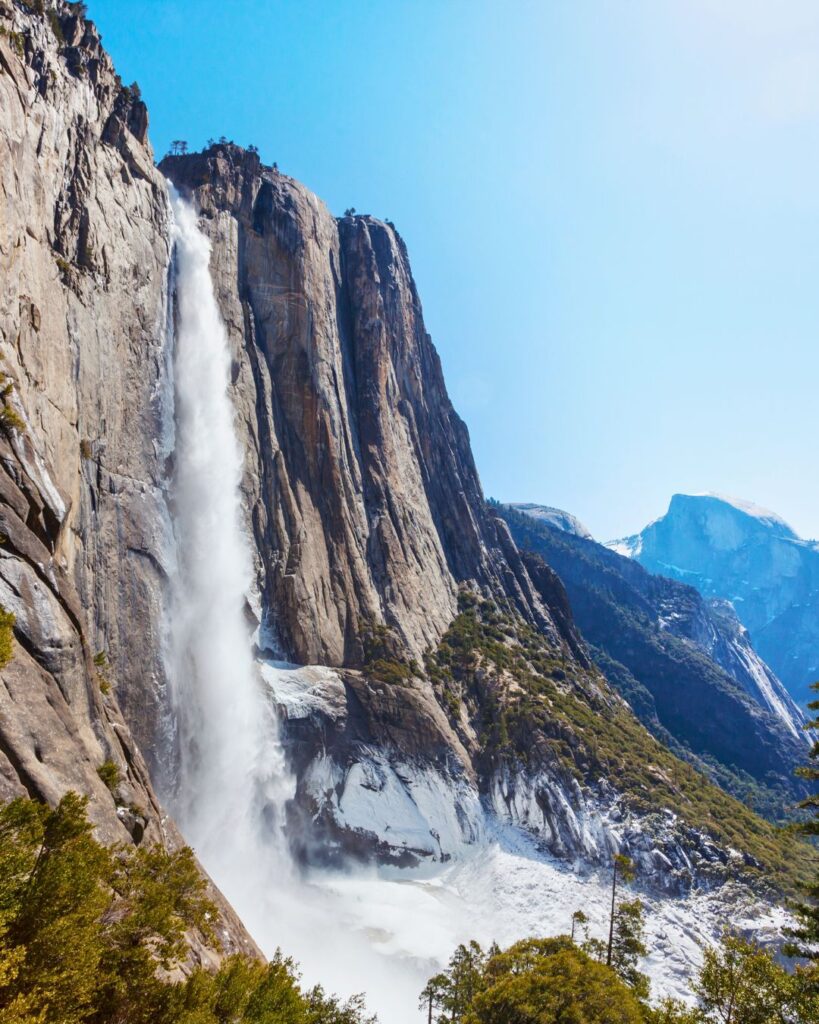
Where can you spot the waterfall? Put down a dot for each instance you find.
(352, 931)
(232, 781)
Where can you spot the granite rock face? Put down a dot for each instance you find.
(83, 245)
(365, 503)
(84, 253)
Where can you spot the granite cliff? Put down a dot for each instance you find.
(84, 252)
(435, 684)
(365, 503)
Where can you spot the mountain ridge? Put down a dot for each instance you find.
(730, 549)
(657, 629)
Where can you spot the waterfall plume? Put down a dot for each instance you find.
(232, 780)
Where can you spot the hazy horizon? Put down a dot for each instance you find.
(611, 219)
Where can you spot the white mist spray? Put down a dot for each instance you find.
(232, 779)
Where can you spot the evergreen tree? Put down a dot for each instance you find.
(740, 983)
(804, 939)
(89, 935)
(563, 986)
(433, 996)
(624, 868)
(628, 946)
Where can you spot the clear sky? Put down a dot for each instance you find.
(612, 211)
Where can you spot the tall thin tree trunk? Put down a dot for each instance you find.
(611, 922)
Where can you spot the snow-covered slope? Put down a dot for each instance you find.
(731, 549)
(458, 865)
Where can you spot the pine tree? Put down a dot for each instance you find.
(628, 946)
(625, 869)
(433, 995)
(740, 983)
(804, 940)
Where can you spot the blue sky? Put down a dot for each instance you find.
(612, 211)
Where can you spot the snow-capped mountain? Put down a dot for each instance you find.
(685, 663)
(734, 550)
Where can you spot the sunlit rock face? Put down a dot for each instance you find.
(84, 256)
(736, 551)
(363, 494)
(84, 251)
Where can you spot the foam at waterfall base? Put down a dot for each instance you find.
(385, 931)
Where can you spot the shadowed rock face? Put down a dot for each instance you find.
(366, 505)
(685, 665)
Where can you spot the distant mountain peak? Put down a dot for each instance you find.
(553, 516)
(733, 549)
(704, 500)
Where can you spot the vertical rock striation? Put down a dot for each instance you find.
(84, 254)
(366, 504)
(84, 251)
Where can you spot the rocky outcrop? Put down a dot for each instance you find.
(552, 517)
(83, 259)
(735, 551)
(365, 502)
(381, 776)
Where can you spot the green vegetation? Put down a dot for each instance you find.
(10, 419)
(110, 774)
(17, 40)
(103, 665)
(63, 266)
(553, 981)
(89, 935)
(527, 699)
(56, 27)
(804, 939)
(382, 662)
(7, 621)
(536, 981)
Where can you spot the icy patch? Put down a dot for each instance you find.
(555, 517)
(303, 690)
(770, 692)
(409, 809)
(504, 889)
(628, 547)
